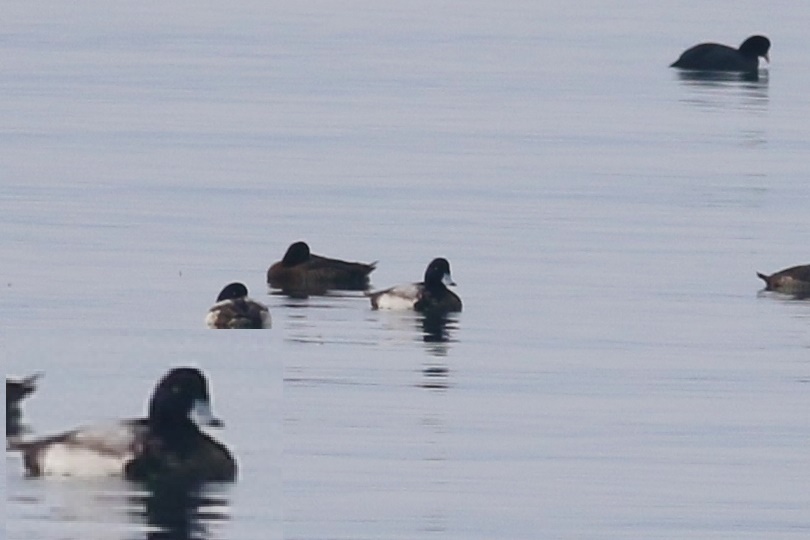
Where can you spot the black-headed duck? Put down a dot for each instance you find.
(428, 296)
(166, 444)
(234, 310)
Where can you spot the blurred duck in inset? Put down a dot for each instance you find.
(794, 280)
(166, 446)
(428, 296)
(234, 310)
(717, 57)
(302, 271)
(16, 391)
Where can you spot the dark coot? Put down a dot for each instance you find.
(716, 57)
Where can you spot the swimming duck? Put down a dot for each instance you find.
(301, 270)
(430, 295)
(716, 57)
(235, 310)
(16, 391)
(166, 444)
(793, 280)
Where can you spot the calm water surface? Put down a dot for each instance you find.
(615, 372)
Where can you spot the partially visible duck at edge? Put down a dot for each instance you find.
(717, 57)
(794, 280)
(428, 296)
(301, 270)
(166, 446)
(235, 310)
(16, 391)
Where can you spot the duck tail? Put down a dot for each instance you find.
(764, 278)
(30, 382)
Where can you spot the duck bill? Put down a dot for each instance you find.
(202, 416)
(447, 280)
(767, 59)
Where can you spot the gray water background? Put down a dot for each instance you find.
(614, 373)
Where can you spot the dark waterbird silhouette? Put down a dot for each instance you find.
(717, 57)
(304, 272)
(16, 391)
(794, 280)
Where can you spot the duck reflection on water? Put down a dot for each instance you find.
(172, 511)
(438, 327)
(437, 332)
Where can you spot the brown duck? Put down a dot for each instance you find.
(301, 270)
(793, 280)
